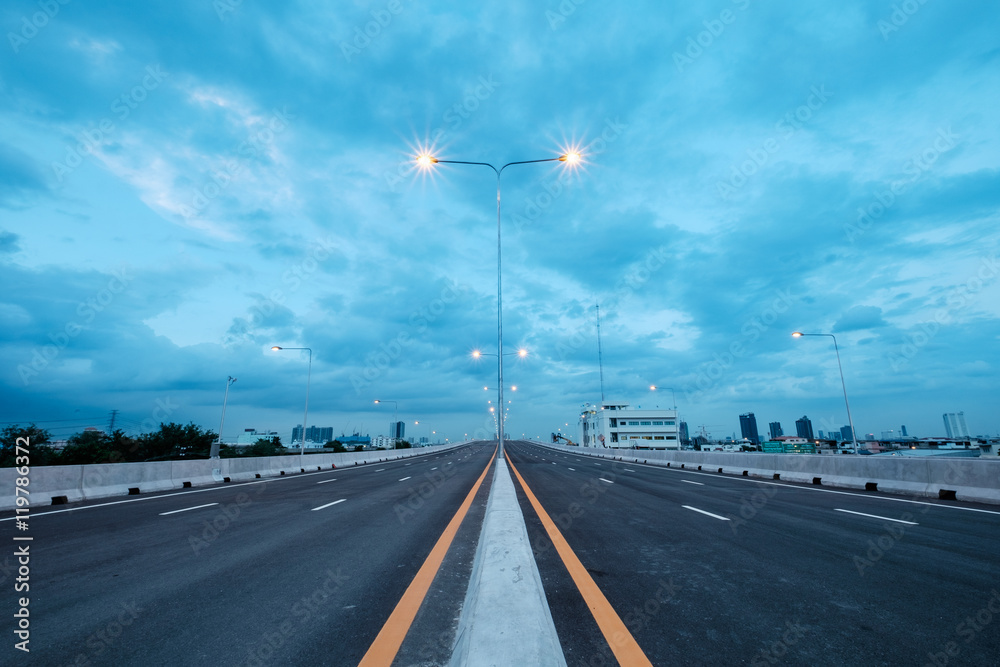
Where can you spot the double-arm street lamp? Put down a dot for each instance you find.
(395, 422)
(305, 416)
(426, 161)
(854, 437)
(218, 441)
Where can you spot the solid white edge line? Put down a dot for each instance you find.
(321, 507)
(853, 494)
(714, 516)
(187, 509)
(184, 493)
(875, 516)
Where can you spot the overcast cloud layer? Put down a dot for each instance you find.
(185, 184)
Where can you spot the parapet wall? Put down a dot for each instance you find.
(970, 479)
(61, 484)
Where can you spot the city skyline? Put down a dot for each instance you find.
(182, 189)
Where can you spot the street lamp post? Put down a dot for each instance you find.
(854, 437)
(653, 387)
(429, 160)
(218, 441)
(305, 416)
(394, 418)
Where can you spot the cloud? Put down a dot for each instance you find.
(323, 234)
(858, 318)
(9, 242)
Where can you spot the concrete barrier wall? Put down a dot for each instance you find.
(970, 479)
(106, 480)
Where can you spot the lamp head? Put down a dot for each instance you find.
(796, 334)
(570, 158)
(275, 347)
(426, 160)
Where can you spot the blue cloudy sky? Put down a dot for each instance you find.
(185, 184)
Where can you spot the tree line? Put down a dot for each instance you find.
(169, 443)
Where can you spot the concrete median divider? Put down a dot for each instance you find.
(942, 477)
(55, 485)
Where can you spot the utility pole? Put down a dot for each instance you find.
(111, 427)
(600, 356)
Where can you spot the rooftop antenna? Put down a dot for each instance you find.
(600, 356)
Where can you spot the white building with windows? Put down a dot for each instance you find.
(618, 426)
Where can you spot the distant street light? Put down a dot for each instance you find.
(305, 416)
(427, 161)
(218, 441)
(394, 419)
(854, 437)
(521, 353)
(653, 387)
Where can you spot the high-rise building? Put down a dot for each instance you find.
(845, 433)
(748, 427)
(397, 430)
(683, 432)
(315, 434)
(804, 428)
(902, 429)
(775, 430)
(954, 425)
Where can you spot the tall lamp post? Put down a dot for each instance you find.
(305, 416)
(218, 441)
(395, 421)
(653, 387)
(427, 161)
(854, 437)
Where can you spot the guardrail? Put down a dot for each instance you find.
(969, 479)
(65, 484)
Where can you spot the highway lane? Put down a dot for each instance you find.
(711, 569)
(303, 569)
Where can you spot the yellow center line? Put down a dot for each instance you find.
(386, 645)
(621, 641)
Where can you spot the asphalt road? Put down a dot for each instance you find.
(699, 568)
(706, 569)
(298, 570)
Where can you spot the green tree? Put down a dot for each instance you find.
(403, 444)
(265, 447)
(86, 447)
(174, 441)
(99, 447)
(336, 446)
(359, 448)
(40, 453)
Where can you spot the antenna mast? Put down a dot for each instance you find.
(600, 356)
